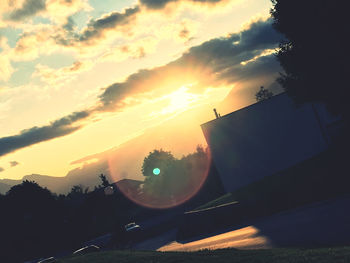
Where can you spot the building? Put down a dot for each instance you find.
(267, 137)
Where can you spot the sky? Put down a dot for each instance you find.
(79, 77)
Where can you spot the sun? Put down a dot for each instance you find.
(180, 99)
(176, 102)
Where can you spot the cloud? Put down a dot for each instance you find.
(181, 31)
(226, 56)
(63, 33)
(31, 44)
(6, 68)
(14, 163)
(213, 63)
(28, 9)
(5, 103)
(159, 4)
(1, 169)
(184, 33)
(59, 11)
(137, 49)
(97, 29)
(63, 75)
(55, 10)
(261, 67)
(3, 42)
(187, 30)
(125, 24)
(34, 135)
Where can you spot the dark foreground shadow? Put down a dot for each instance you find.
(321, 224)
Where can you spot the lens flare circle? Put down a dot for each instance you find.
(182, 187)
(156, 171)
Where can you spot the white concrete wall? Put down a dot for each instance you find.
(264, 138)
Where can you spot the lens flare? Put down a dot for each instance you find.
(169, 188)
(156, 171)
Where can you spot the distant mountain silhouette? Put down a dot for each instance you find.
(55, 184)
(4, 188)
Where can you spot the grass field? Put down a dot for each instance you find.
(319, 255)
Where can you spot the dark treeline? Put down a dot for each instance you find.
(37, 223)
(315, 55)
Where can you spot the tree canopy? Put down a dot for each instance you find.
(316, 53)
(37, 223)
(178, 179)
(157, 159)
(263, 94)
(104, 181)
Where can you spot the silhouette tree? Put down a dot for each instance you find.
(78, 190)
(29, 196)
(263, 94)
(158, 159)
(178, 180)
(36, 223)
(78, 194)
(32, 218)
(104, 180)
(316, 53)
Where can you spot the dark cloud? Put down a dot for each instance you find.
(213, 62)
(96, 28)
(70, 24)
(116, 20)
(113, 95)
(223, 53)
(28, 9)
(14, 163)
(35, 135)
(261, 67)
(1, 169)
(159, 4)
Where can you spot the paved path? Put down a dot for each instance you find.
(320, 224)
(244, 238)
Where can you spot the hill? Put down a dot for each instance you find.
(4, 188)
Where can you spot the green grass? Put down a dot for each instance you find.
(278, 255)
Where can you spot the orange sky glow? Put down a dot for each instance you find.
(73, 89)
